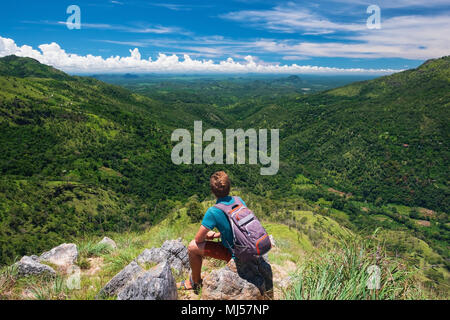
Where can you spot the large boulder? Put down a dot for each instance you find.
(153, 255)
(64, 255)
(240, 281)
(31, 266)
(156, 284)
(121, 280)
(108, 241)
(172, 251)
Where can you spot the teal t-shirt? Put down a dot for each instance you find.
(215, 218)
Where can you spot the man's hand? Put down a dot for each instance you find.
(212, 235)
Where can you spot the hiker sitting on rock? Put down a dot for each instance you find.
(242, 236)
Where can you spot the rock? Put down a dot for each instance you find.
(109, 242)
(178, 253)
(156, 284)
(31, 266)
(153, 255)
(285, 283)
(172, 251)
(63, 255)
(239, 281)
(121, 280)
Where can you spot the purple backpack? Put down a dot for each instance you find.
(250, 237)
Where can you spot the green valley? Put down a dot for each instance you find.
(80, 158)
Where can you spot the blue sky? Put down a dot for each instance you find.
(258, 35)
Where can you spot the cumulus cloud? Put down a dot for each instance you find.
(52, 54)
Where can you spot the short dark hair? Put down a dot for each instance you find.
(220, 184)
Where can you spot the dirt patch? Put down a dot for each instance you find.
(423, 223)
(340, 193)
(187, 295)
(281, 277)
(427, 212)
(96, 265)
(27, 294)
(190, 294)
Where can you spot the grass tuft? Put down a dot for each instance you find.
(345, 274)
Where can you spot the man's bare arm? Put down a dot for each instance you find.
(201, 234)
(205, 234)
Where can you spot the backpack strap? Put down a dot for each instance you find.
(225, 208)
(230, 208)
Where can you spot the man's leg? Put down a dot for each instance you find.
(205, 249)
(196, 252)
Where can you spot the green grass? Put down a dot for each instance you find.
(92, 249)
(8, 278)
(342, 274)
(53, 289)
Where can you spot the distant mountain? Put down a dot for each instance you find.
(291, 79)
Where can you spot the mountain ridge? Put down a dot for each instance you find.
(28, 67)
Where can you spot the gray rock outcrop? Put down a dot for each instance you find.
(31, 266)
(172, 251)
(240, 281)
(121, 280)
(63, 255)
(156, 284)
(108, 241)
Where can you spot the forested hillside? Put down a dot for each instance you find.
(80, 157)
(386, 140)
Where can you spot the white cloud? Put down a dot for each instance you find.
(417, 37)
(155, 29)
(291, 18)
(52, 54)
(384, 4)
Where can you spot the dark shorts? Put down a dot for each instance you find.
(216, 250)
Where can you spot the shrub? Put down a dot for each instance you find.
(194, 209)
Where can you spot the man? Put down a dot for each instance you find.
(214, 218)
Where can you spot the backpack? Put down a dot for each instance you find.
(250, 238)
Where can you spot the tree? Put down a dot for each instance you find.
(194, 209)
